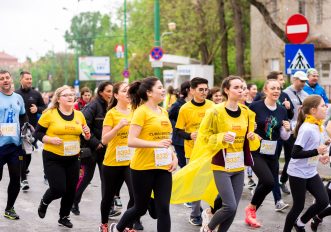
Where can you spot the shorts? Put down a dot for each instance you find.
(9, 154)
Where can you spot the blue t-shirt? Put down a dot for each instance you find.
(11, 107)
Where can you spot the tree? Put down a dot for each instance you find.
(83, 31)
(269, 21)
(224, 39)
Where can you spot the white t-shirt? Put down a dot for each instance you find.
(309, 138)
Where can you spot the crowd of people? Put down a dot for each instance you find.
(212, 134)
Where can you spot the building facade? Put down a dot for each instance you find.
(267, 50)
(7, 61)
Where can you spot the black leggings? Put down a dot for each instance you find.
(112, 180)
(62, 173)
(288, 146)
(25, 163)
(264, 168)
(299, 186)
(327, 211)
(144, 182)
(87, 166)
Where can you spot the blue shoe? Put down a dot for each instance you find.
(188, 204)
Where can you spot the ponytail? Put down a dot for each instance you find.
(133, 93)
(300, 120)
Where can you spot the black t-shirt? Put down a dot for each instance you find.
(268, 121)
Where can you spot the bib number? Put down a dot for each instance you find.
(8, 129)
(234, 160)
(163, 156)
(71, 148)
(124, 153)
(268, 147)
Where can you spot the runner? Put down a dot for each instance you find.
(116, 164)
(84, 99)
(272, 126)
(187, 125)
(12, 116)
(226, 127)
(153, 161)
(215, 95)
(59, 128)
(309, 148)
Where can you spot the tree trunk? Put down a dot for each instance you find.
(239, 37)
(203, 34)
(224, 39)
(269, 21)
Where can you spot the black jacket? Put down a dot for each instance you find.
(95, 113)
(31, 96)
(173, 115)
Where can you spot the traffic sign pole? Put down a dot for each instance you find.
(157, 71)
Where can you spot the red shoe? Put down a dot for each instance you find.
(103, 228)
(129, 230)
(250, 218)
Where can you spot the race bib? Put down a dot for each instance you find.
(124, 153)
(163, 156)
(313, 161)
(268, 147)
(71, 148)
(234, 160)
(8, 129)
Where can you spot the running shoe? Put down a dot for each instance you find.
(112, 228)
(103, 228)
(188, 204)
(25, 185)
(206, 216)
(114, 213)
(280, 206)
(299, 228)
(65, 221)
(314, 223)
(204, 228)
(118, 203)
(42, 209)
(251, 183)
(250, 218)
(137, 225)
(196, 221)
(75, 209)
(284, 188)
(11, 214)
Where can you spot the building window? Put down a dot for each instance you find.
(302, 6)
(319, 11)
(274, 65)
(325, 69)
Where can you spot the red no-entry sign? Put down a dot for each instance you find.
(297, 28)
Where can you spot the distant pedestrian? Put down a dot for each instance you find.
(312, 86)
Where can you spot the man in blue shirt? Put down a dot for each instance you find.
(312, 87)
(12, 115)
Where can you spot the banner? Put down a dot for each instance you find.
(93, 68)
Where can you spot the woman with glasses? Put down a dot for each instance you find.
(59, 128)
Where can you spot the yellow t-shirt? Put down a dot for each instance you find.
(189, 119)
(68, 131)
(154, 127)
(119, 144)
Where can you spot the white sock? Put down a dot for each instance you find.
(300, 223)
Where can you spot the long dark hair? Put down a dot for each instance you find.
(116, 88)
(310, 102)
(138, 90)
(102, 87)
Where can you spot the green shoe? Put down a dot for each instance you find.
(11, 214)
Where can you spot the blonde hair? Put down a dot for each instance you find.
(54, 104)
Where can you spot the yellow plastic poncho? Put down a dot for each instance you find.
(195, 181)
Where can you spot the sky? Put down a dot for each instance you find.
(33, 27)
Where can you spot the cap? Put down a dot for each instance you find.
(310, 71)
(301, 75)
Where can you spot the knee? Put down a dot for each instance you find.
(58, 192)
(140, 210)
(230, 208)
(322, 203)
(162, 211)
(269, 184)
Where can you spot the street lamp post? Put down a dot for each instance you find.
(126, 64)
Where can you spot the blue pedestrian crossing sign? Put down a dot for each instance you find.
(298, 57)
